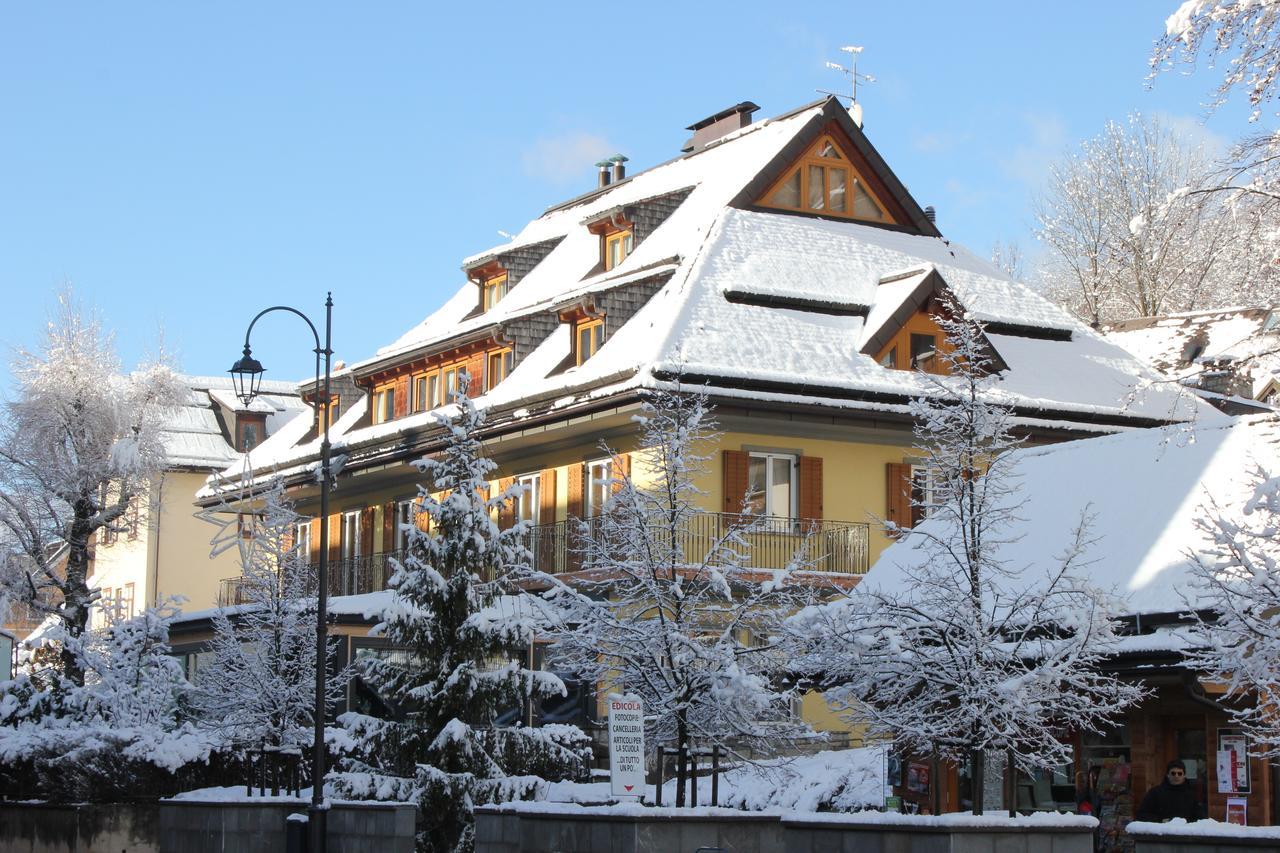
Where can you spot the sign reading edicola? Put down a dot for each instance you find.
(626, 745)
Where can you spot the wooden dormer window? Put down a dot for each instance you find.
(825, 181)
(493, 289)
(588, 335)
(499, 364)
(329, 412)
(251, 429)
(617, 246)
(384, 403)
(918, 345)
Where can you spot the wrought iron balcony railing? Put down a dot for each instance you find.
(819, 545)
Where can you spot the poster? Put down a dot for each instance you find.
(918, 778)
(1232, 762)
(626, 746)
(1237, 811)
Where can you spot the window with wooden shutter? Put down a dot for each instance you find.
(389, 526)
(811, 487)
(366, 531)
(507, 510)
(735, 479)
(621, 470)
(402, 398)
(547, 497)
(577, 473)
(313, 547)
(898, 492)
(335, 537)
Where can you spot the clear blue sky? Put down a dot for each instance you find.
(183, 165)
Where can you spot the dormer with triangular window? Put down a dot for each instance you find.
(824, 181)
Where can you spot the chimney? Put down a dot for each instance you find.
(603, 166)
(619, 167)
(931, 215)
(713, 127)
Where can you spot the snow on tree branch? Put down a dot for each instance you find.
(1237, 596)
(667, 603)
(945, 647)
(80, 445)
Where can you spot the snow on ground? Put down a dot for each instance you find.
(840, 780)
(1204, 828)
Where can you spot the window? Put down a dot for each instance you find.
(384, 403)
(588, 336)
(926, 492)
(500, 364)
(328, 412)
(125, 599)
(890, 359)
(924, 351)
(493, 289)
(246, 523)
(771, 478)
(616, 248)
(528, 506)
(302, 540)
(350, 535)
(825, 182)
(405, 520)
(421, 389)
(599, 486)
(250, 435)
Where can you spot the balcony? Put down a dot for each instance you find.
(839, 547)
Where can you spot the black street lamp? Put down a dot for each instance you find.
(246, 376)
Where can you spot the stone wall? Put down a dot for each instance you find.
(213, 827)
(40, 828)
(504, 829)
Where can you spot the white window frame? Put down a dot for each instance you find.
(529, 505)
(769, 510)
(349, 544)
(598, 473)
(925, 476)
(302, 540)
(405, 519)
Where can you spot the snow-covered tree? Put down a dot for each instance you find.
(1124, 239)
(258, 690)
(458, 647)
(1243, 34)
(669, 607)
(945, 647)
(1238, 594)
(127, 721)
(79, 447)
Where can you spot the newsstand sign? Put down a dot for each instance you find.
(626, 745)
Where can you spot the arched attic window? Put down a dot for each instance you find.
(824, 181)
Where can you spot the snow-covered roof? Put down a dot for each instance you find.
(1144, 489)
(1181, 345)
(194, 435)
(760, 304)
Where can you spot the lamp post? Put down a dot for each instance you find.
(246, 376)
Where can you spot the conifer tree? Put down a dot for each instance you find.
(457, 660)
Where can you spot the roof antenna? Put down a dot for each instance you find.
(855, 108)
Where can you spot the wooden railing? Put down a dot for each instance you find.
(819, 545)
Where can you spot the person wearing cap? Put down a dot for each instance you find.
(1171, 798)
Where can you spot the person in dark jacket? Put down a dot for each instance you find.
(1171, 798)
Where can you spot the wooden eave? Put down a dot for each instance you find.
(441, 351)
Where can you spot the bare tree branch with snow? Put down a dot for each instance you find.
(79, 448)
(1237, 596)
(1126, 238)
(671, 610)
(959, 654)
(258, 691)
